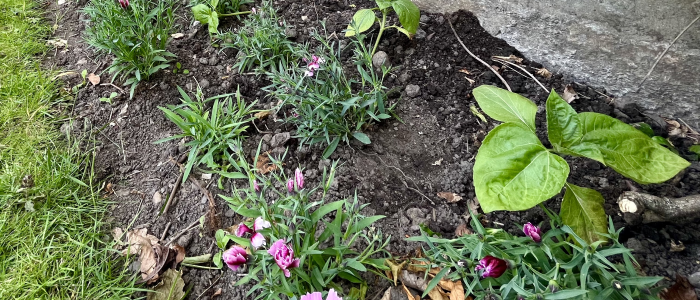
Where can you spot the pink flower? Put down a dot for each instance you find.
(290, 185)
(257, 240)
(332, 295)
(124, 3)
(253, 10)
(299, 179)
(242, 230)
(313, 65)
(260, 224)
(235, 257)
(492, 267)
(284, 257)
(256, 186)
(533, 232)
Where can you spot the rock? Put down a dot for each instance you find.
(379, 59)
(204, 84)
(415, 215)
(185, 240)
(412, 90)
(694, 279)
(213, 61)
(290, 32)
(225, 85)
(404, 77)
(420, 34)
(230, 213)
(279, 139)
(636, 246)
(203, 61)
(424, 18)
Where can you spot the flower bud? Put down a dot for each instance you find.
(256, 186)
(299, 179)
(553, 286)
(124, 3)
(617, 285)
(533, 232)
(492, 266)
(290, 185)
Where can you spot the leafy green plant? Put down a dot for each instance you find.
(178, 68)
(261, 41)
(305, 245)
(213, 135)
(136, 35)
(331, 107)
(514, 171)
(408, 13)
(110, 98)
(209, 12)
(525, 268)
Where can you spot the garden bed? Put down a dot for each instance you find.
(431, 150)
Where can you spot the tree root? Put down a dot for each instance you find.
(644, 208)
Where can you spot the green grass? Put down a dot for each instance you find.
(58, 250)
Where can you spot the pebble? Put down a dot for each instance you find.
(279, 139)
(404, 77)
(230, 213)
(203, 61)
(424, 18)
(379, 59)
(636, 246)
(213, 61)
(412, 90)
(204, 84)
(695, 279)
(420, 34)
(290, 32)
(225, 85)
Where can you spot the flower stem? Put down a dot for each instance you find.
(381, 30)
(235, 14)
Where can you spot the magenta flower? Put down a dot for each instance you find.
(313, 65)
(332, 295)
(242, 230)
(299, 179)
(533, 232)
(256, 186)
(235, 257)
(492, 267)
(290, 185)
(284, 257)
(124, 3)
(257, 240)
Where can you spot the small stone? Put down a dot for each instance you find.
(379, 59)
(185, 240)
(203, 61)
(409, 52)
(204, 84)
(225, 85)
(404, 77)
(230, 213)
(163, 86)
(420, 34)
(204, 200)
(213, 61)
(694, 279)
(82, 61)
(304, 18)
(636, 246)
(157, 198)
(279, 139)
(290, 32)
(412, 90)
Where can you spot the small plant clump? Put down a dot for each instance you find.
(557, 264)
(514, 171)
(136, 33)
(209, 11)
(408, 13)
(293, 245)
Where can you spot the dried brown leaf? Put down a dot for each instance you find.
(412, 280)
(262, 114)
(465, 71)
(677, 247)
(395, 268)
(511, 58)
(409, 295)
(170, 288)
(217, 293)
(569, 94)
(387, 294)
(462, 230)
(264, 165)
(180, 254)
(109, 188)
(544, 73)
(94, 78)
(471, 81)
(496, 68)
(450, 197)
(681, 290)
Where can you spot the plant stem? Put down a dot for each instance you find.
(381, 30)
(235, 14)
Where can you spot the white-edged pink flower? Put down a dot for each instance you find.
(290, 185)
(235, 257)
(256, 187)
(242, 230)
(313, 65)
(332, 295)
(257, 240)
(260, 224)
(284, 257)
(299, 179)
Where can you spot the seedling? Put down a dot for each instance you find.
(111, 96)
(76, 88)
(209, 13)
(178, 68)
(514, 171)
(409, 16)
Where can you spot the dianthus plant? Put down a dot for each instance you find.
(296, 241)
(515, 171)
(135, 32)
(557, 264)
(331, 106)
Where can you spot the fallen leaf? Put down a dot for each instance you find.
(109, 188)
(58, 43)
(263, 165)
(569, 94)
(495, 68)
(462, 230)
(94, 79)
(178, 35)
(437, 162)
(473, 205)
(510, 58)
(262, 114)
(677, 247)
(464, 71)
(544, 73)
(152, 255)
(450, 197)
(681, 290)
(157, 198)
(471, 81)
(419, 266)
(409, 295)
(180, 256)
(170, 288)
(387, 294)
(477, 113)
(454, 287)
(117, 234)
(217, 293)
(395, 268)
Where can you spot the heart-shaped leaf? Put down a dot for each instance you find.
(201, 13)
(409, 14)
(514, 171)
(582, 209)
(563, 125)
(505, 106)
(361, 22)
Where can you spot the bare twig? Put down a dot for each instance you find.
(165, 231)
(658, 59)
(210, 286)
(477, 58)
(523, 69)
(172, 194)
(179, 234)
(212, 205)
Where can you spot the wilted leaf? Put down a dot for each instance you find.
(262, 114)
(395, 268)
(180, 256)
(170, 288)
(544, 73)
(569, 94)
(117, 234)
(465, 71)
(263, 165)
(94, 78)
(152, 255)
(455, 289)
(178, 35)
(511, 58)
(409, 295)
(471, 81)
(109, 188)
(681, 290)
(217, 293)
(477, 113)
(677, 247)
(462, 230)
(450, 197)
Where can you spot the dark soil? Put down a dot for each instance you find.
(398, 174)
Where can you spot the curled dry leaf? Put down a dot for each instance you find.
(462, 230)
(455, 289)
(264, 165)
(152, 256)
(170, 288)
(394, 268)
(677, 129)
(511, 58)
(180, 254)
(262, 114)
(94, 79)
(450, 197)
(387, 294)
(681, 290)
(569, 94)
(465, 71)
(109, 188)
(217, 293)
(471, 81)
(677, 247)
(544, 73)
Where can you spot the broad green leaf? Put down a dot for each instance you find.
(325, 209)
(361, 22)
(645, 128)
(514, 171)
(563, 126)
(217, 260)
(331, 148)
(213, 22)
(625, 149)
(582, 209)
(505, 106)
(695, 149)
(409, 14)
(383, 4)
(201, 13)
(361, 137)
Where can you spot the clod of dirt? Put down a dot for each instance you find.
(412, 90)
(279, 139)
(379, 59)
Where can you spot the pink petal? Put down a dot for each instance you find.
(286, 273)
(257, 240)
(312, 296)
(294, 264)
(332, 295)
(242, 230)
(276, 247)
(261, 224)
(307, 74)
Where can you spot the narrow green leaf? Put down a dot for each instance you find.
(331, 148)
(325, 209)
(365, 222)
(505, 106)
(361, 137)
(582, 209)
(361, 22)
(563, 126)
(567, 294)
(514, 171)
(434, 282)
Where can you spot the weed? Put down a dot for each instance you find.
(409, 17)
(213, 135)
(137, 36)
(209, 12)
